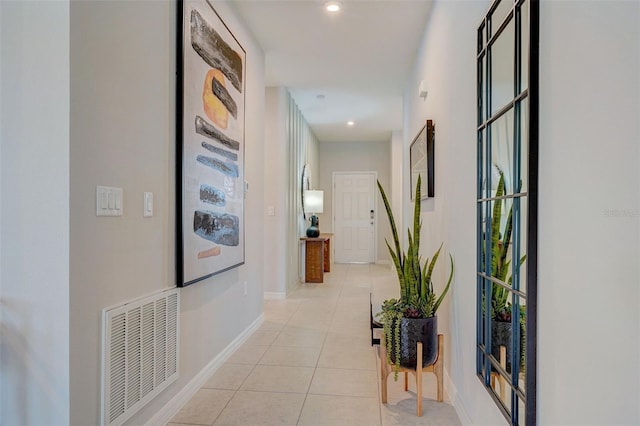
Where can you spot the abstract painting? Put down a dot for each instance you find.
(210, 144)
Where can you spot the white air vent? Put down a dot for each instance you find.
(140, 353)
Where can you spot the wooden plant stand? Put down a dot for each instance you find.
(435, 368)
(500, 377)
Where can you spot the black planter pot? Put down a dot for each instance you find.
(412, 331)
(501, 336)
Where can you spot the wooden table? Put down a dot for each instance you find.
(317, 257)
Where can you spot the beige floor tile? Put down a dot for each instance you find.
(262, 408)
(336, 381)
(339, 411)
(396, 392)
(310, 322)
(356, 290)
(316, 292)
(281, 305)
(350, 329)
(353, 317)
(291, 356)
(262, 337)
(298, 336)
(316, 307)
(349, 357)
(247, 354)
(273, 378)
(273, 324)
(403, 413)
(204, 407)
(229, 376)
(337, 339)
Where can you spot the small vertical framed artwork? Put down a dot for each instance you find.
(422, 160)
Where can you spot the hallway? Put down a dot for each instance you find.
(311, 363)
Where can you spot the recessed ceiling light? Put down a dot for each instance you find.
(351, 123)
(332, 6)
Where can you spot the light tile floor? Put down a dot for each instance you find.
(311, 363)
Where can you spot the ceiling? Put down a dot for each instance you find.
(350, 65)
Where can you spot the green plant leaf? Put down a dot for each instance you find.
(392, 222)
(417, 297)
(446, 289)
(495, 227)
(416, 213)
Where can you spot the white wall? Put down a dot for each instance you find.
(289, 146)
(122, 134)
(1, 49)
(34, 269)
(356, 157)
(275, 194)
(302, 150)
(588, 334)
(397, 181)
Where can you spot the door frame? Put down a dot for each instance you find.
(375, 210)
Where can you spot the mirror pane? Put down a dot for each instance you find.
(502, 60)
(483, 188)
(524, 145)
(481, 310)
(485, 237)
(523, 340)
(502, 146)
(521, 283)
(500, 352)
(524, 43)
(501, 332)
(501, 239)
(499, 13)
(521, 412)
(482, 108)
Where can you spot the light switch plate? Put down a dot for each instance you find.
(109, 201)
(148, 204)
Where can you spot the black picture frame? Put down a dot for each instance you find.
(210, 136)
(422, 161)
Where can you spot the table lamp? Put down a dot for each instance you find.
(313, 203)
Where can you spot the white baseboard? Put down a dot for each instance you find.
(275, 295)
(452, 392)
(166, 413)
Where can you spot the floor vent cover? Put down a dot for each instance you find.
(140, 353)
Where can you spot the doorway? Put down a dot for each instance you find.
(354, 224)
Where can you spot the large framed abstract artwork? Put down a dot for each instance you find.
(210, 144)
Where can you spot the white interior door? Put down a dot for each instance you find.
(354, 217)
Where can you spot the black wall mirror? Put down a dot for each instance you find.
(507, 206)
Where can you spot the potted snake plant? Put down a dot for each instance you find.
(412, 317)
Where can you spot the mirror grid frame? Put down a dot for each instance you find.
(509, 12)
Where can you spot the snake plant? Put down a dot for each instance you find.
(500, 264)
(417, 296)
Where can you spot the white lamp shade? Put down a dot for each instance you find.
(313, 201)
